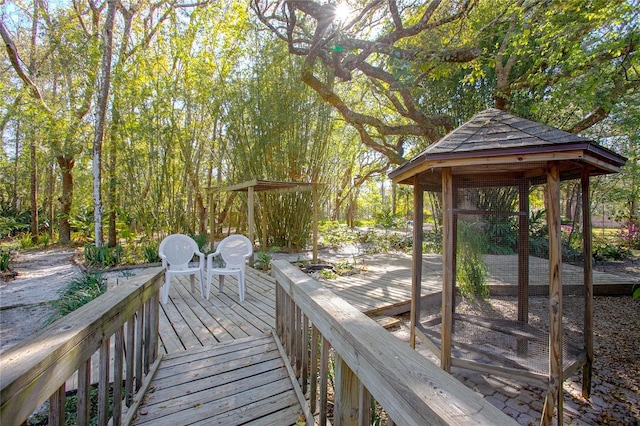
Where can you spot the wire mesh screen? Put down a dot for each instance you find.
(501, 306)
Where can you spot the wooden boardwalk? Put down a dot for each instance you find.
(188, 321)
(244, 381)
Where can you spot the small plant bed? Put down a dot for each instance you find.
(328, 270)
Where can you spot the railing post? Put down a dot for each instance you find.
(139, 341)
(56, 407)
(118, 364)
(103, 383)
(364, 410)
(324, 376)
(84, 389)
(347, 393)
(314, 368)
(130, 349)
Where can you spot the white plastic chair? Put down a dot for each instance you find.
(176, 251)
(234, 251)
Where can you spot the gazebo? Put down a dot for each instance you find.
(253, 186)
(499, 152)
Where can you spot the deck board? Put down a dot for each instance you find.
(228, 383)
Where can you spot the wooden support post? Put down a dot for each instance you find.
(84, 387)
(56, 407)
(416, 276)
(347, 395)
(118, 368)
(364, 410)
(263, 221)
(554, 390)
(315, 348)
(103, 383)
(251, 208)
(588, 283)
(448, 272)
(324, 377)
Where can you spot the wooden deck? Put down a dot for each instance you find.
(188, 321)
(244, 381)
(221, 364)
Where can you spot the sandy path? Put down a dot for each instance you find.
(25, 301)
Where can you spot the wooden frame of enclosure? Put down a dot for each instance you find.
(490, 149)
(258, 185)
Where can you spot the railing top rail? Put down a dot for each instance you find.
(411, 388)
(36, 367)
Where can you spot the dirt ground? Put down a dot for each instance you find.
(25, 307)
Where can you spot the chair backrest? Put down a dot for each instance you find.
(235, 249)
(178, 250)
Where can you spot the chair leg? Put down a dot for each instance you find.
(165, 289)
(201, 278)
(193, 284)
(208, 284)
(221, 282)
(241, 286)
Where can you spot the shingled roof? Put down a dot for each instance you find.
(494, 137)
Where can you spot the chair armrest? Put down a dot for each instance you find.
(210, 258)
(201, 256)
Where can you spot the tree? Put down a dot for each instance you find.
(63, 96)
(392, 59)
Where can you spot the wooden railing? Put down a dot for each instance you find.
(125, 319)
(368, 363)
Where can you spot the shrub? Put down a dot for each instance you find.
(335, 234)
(5, 257)
(604, 252)
(264, 258)
(630, 235)
(432, 242)
(150, 251)
(102, 256)
(79, 292)
(471, 268)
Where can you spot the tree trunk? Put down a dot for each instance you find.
(34, 189)
(101, 114)
(33, 132)
(14, 196)
(49, 203)
(66, 170)
(111, 196)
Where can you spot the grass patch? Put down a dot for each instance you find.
(79, 292)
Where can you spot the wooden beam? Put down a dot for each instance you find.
(251, 208)
(416, 274)
(448, 272)
(554, 390)
(347, 395)
(588, 283)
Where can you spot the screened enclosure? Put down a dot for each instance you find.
(513, 261)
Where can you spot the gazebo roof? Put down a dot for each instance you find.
(493, 142)
(260, 185)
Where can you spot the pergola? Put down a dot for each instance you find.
(496, 149)
(260, 185)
